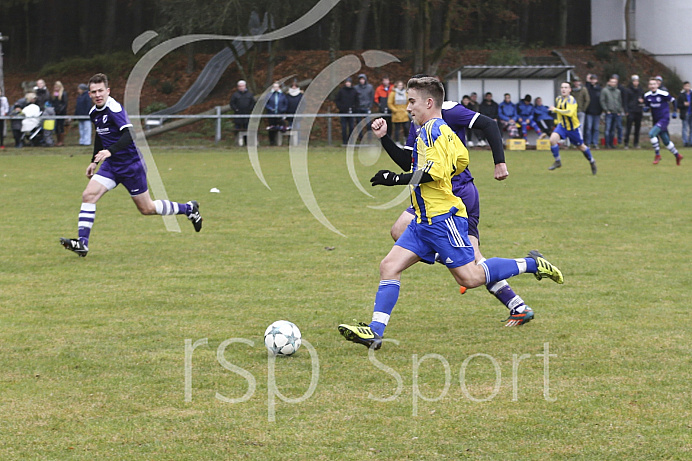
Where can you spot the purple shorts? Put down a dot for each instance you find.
(133, 176)
(468, 193)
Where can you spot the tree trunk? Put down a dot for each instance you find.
(628, 30)
(334, 33)
(361, 24)
(407, 38)
(562, 23)
(108, 37)
(441, 51)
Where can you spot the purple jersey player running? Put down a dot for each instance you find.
(659, 102)
(114, 145)
(459, 118)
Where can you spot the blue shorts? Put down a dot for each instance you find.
(447, 235)
(133, 176)
(468, 193)
(573, 135)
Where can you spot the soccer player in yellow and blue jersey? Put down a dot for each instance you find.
(567, 127)
(441, 223)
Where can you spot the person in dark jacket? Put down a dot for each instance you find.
(16, 123)
(593, 112)
(276, 105)
(346, 102)
(83, 107)
(684, 105)
(633, 111)
(490, 109)
(59, 102)
(294, 96)
(242, 103)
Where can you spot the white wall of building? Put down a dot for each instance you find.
(498, 87)
(660, 27)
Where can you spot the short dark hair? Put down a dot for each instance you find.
(686, 82)
(430, 86)
(99, 78)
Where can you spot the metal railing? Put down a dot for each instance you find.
(153, 121)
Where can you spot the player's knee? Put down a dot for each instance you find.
(388, 269)
(146, 208)
(88, 196)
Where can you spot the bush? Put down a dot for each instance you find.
(167, 87)
(603, 52)
(154, 107)
(116, 63)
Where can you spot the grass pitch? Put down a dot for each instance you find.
(94, 353)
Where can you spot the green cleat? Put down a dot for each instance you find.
(516, 319)
(545, 269)
(361, 334)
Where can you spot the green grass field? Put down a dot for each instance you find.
(94, 350)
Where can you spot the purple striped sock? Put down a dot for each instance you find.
(87, 213)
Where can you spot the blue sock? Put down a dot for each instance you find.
(556, 151)
(166, 207)
(386, 298)
(587, 154)
(497, 269)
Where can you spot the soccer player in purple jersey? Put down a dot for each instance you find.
(459, 118)
(658, 101)
(114, 145)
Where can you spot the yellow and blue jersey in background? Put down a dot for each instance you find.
(566, 109)
(439, 152)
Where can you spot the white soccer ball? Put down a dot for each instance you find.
(282, 338)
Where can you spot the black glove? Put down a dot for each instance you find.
(385, 178)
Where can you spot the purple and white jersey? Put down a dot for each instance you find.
(109, 121)
(659, 102)
(458, 118)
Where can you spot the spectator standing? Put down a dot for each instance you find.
(661, 87)
(41, 92)
(242, 103)
(633, 111)
(59, 103)
(466, 102)
(397, 102)
(581, 94)
(474, 106)
(593, 113)
(684, 104)
(294, 96)
(276, 105)
(17, 121)
(347, 103)
(507, 112)
(4, 111)
(543, 117)
(490, 109)
(82, 107)
(366, 96)
(382, 99)
(611, 101)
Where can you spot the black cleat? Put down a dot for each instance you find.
(194, 215)
(75, 245)
(594, 170)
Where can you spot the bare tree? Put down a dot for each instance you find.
(628, 29)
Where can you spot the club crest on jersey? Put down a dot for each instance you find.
(105, 118)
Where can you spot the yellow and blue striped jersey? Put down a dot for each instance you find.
(566, 109)
(439, 152)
